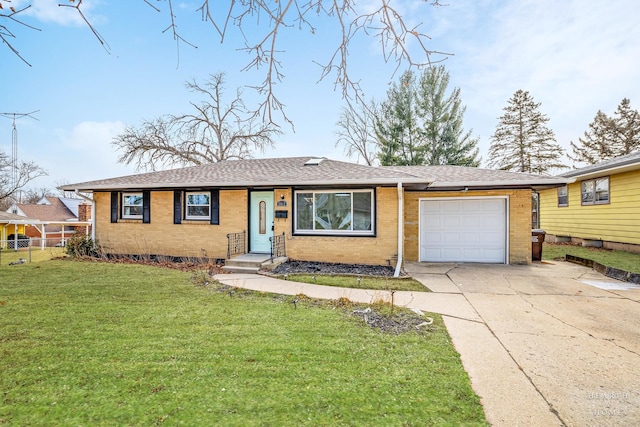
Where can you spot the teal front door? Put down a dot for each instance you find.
(261, 221)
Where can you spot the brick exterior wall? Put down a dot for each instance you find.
(519, 221)
(201, 239)
(84, 214)
(163, 237)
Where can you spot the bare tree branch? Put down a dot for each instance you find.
(356, 131)
(213, 133)
(101, 39)
(402, 44)
(6, 33)
(26, 172)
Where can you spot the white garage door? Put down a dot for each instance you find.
(463, 230)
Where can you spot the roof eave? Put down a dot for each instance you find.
(246, 184)
(604, 170)
(533, 183)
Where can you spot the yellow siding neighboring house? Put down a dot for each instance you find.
(10, 224)
(613, 223)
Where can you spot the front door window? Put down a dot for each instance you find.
(263, 217)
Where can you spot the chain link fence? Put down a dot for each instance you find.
(27, 250)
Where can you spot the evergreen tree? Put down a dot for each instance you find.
(443, 136)
(396, 125)
(609, 137)
(522, 142)
(420, 124)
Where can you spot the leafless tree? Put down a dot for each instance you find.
(402, 44)
(356, 131)
(25, 172)
(34, 195)
(215, 132)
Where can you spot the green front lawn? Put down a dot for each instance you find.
(85, 343)
(617, 259)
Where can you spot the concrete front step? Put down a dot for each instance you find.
(240, 269)
(240, 263)
(251, 263)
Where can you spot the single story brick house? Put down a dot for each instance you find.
(319, 210)
(601, 208)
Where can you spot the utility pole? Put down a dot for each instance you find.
(14, 143)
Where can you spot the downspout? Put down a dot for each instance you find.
(400, 228)
(93, 214)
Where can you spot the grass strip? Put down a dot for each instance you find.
(622, 260)
(359, 282)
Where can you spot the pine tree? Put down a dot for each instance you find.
(443, 136)
(609, 137)
(396, 125)
(419, 124)
(522, 142)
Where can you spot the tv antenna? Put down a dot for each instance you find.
(14, 143)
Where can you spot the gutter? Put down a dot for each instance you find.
(93, 213)
(400, 229)
(556, 181)
(239, 184)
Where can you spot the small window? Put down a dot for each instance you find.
(595, 191)
(335, 212)
(563, 196)
(198, 206)
(132, 205)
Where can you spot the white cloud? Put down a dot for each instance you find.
(50, 11)
(87, 153)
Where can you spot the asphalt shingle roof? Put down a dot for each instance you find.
(295, 171)
(606, 165)
(56, 211)
(7, 216)
(451, 175)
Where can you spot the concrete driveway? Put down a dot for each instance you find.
(544, 344)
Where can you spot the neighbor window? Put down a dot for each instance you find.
(198, 205)
(132, 205)
(595, 191)
(334, 212)
(563, 196)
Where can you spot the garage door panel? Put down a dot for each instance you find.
(463, 230)
(451, 238)
(452, 207)
(450, 222)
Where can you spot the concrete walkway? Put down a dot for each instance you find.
(544, 344)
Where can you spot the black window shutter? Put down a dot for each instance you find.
(146, 207)
(215, 207)
(114, 206)
(177, 207)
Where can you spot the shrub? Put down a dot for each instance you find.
(81, 245)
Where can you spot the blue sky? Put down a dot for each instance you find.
(575, 57)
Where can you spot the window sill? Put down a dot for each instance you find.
(196, 221)
(332, 235)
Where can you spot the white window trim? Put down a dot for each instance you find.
(186, 206)
(564, 205)
(125, 216)
(595, 201)
(323, 232)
